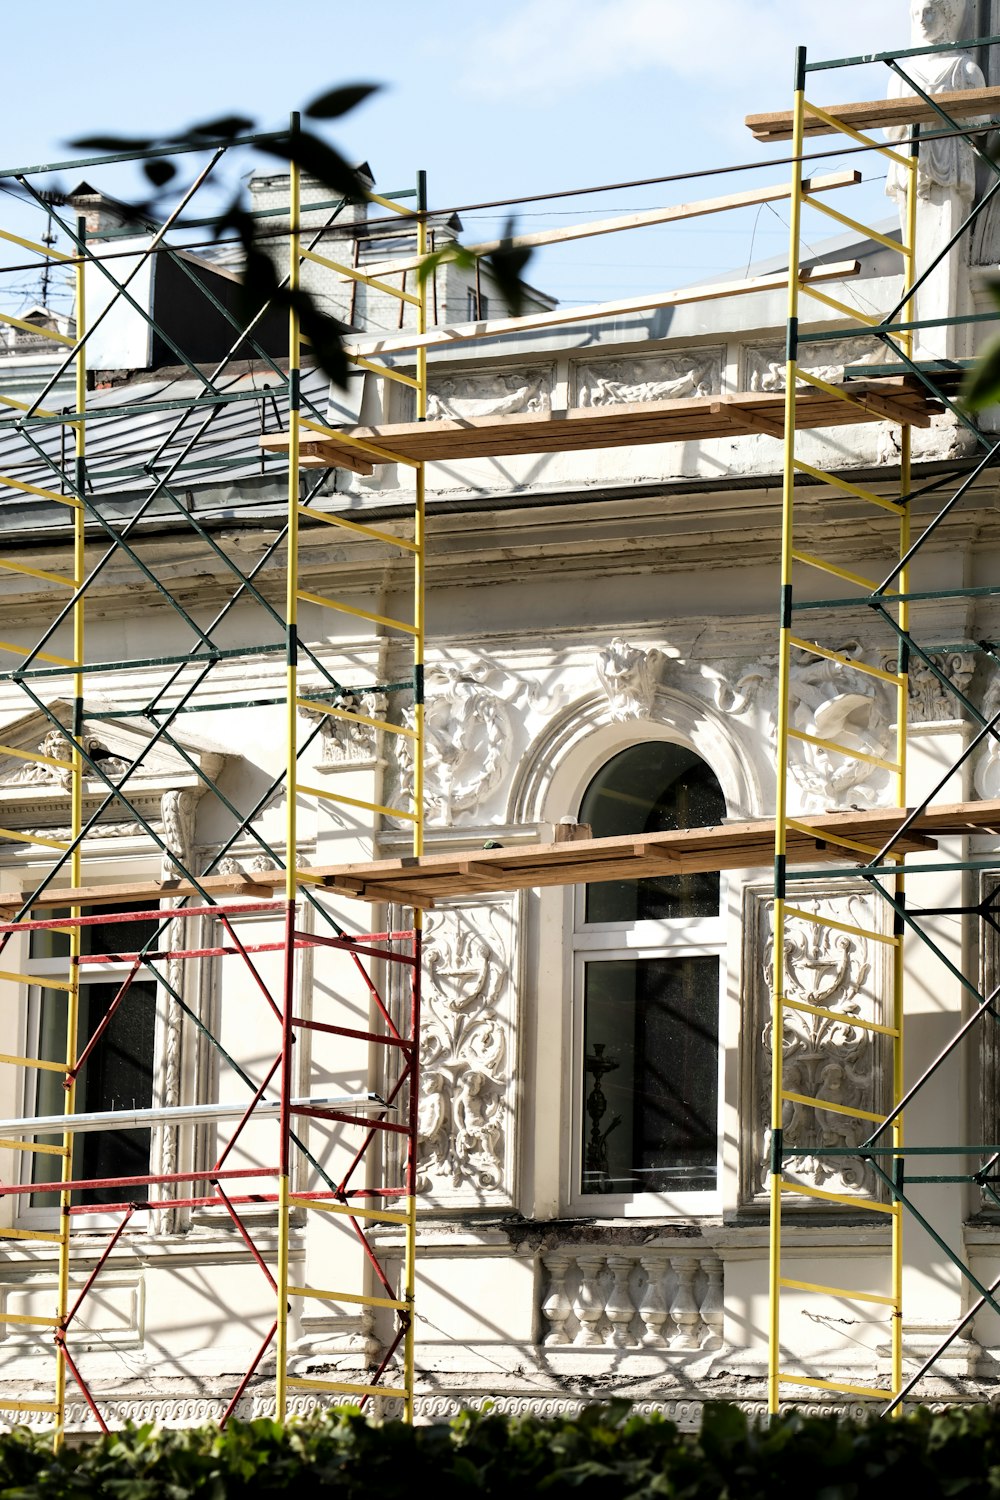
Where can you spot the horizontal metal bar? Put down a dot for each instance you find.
(856, 135)
(866, 1204)
(42, 1063)
(39, 1406)
(356, 1298)
(865, 230)
(829, 1104)
(315, 706)
(836, 483)
(837, 1291)
(820, 921)
(384, 370)
(33, 489)
(36, 1147)
(841, 307)
(331, 518)
(846, 750)
(836, 1385)
(147, 153)
(378, 807)
(196, 657)
(811, 561)
(30, 1234)
(873, 57)
(355, 275)
(345, 1387)
(177, 1114)
(827, 872)
(64, 661)
(896, 678)
(840, 1017)
(29, 572)
(32, 838)
(382, 1215)
(360, 614)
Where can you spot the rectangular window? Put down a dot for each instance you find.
(119, 1072)
(651, 1084)
(477, 305)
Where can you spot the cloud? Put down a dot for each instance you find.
(560, 46)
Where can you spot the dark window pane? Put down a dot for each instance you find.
(651, 1086)
(118, 1075)
(654, 787)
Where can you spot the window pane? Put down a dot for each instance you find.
(119, 1074)
(654, 787)
(651, 1033)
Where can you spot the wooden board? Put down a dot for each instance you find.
(557, 317)
(419, 882)
(961, 105)
(693, 419)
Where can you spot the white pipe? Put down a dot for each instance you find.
(140, 1119)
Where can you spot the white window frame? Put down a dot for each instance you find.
(668, 937)
(46, 1216)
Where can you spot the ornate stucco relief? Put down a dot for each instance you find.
(467, 1057)
(495, 394)
(658, 377)
(472, 714)
(764, 364)
(628, 674)
(824, 1057)
(347, 744)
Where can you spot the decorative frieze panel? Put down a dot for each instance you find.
(498, 393)
(467, 1057)
(654, 1298)
(657, 377)
(932, 700)
(347, 744)
(828, 1056)
(764, 364)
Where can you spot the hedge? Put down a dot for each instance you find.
(603, 1452)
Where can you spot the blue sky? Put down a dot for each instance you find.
(493, 101)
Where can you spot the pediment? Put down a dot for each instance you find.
(115, 743)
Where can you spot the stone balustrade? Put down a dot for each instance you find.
(646, 1298)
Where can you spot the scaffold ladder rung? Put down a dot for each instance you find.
(837, 1291)
(50, 1407)
(814, 1102)
(377, 807)
(834, 923)
(866, 1205)
(834, 481)
(867, 669)
(326, 1206)
(331, 518)
(810, 560)
(345, 1387)
(837, 1385)
(359, 1299)
(848, 751)
(837, 1016)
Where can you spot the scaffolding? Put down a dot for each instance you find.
(374, 1184)
(814, 628)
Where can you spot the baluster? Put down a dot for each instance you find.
(652, 1307)
(557, 1307)
(620, 1309)
(684, 1308)
(589, 1303)
(712, 1304)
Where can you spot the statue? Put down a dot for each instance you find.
(946, 175)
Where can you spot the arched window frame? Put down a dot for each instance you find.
(551, 781)
(642, 941)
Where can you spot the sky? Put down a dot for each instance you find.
(493, 101)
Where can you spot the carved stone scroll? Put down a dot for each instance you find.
(824, 1057)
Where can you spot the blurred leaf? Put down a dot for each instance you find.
(336, 102)
(111, 143)
(982, 383)
(325, 335)
(223, 128)
(507, 265)
(452, 254)
(159, 171)
(320, 160)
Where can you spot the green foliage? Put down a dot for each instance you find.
(982, 385)
(605, 1453)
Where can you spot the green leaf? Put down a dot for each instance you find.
(982, 385)
(339, 101)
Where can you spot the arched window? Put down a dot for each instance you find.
(648, 974)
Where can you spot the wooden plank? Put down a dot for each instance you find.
(872, 114)
(417, 881)
(672, 214)
(490, 328)
(895, 398)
